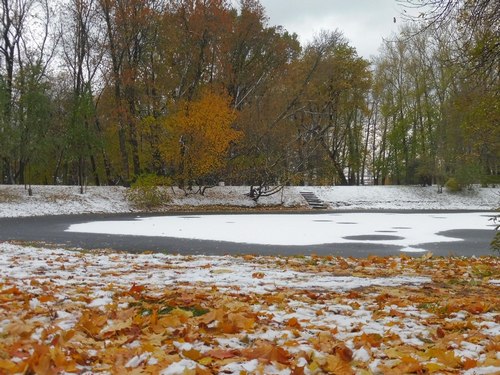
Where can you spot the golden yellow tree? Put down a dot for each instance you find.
(201, 134)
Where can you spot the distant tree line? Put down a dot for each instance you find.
(197, 92)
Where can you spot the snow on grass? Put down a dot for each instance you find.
(407, 198)
(61, 200)
(406, 230)
(268, 314)
(64, 267)
(57, 200)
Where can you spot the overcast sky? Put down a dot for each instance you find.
(363, 22)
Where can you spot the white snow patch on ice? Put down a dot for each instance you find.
(406, 230)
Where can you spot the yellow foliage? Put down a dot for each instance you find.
(200, 136)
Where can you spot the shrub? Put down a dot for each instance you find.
(452, 185)
(149, 192)
(495, 243)
(7, 196)
(490, 180)
(467, 174)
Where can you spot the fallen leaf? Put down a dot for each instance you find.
(221, 353)
(337, 366)
(258, 275)
(267, 351)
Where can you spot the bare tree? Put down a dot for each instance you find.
(82, 53)
(478, 23)
(14, 14)
(26, 50)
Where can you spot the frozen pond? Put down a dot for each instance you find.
(405, 230)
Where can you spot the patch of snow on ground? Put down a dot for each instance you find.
(61, 200)
(407, 198)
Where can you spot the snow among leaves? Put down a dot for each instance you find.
(104, 312)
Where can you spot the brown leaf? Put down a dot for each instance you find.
(136, 289)
(293, 323)
(14, 290)
(298, 370)
(469, 363)
(325, 342)
(237, 322)
(41, 361)
(337, 366)
(91, 323)
(212, 315)
(202, 371)
(343, 352)
(192, 354)
(116, 327)
(440, 332)
(221, 353)
(371, 340)
(267, 351)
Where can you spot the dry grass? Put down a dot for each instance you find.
(8, 195)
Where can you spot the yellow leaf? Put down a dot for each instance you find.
(446, 357)
(7, 365)
(206, 361)
(434, 367)
(192, 354)
(116, 327)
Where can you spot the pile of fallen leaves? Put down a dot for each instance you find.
(65, 311)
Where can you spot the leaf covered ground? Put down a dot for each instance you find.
(67, 311)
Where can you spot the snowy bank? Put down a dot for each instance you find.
(57, 200)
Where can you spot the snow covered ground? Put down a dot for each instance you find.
(407, 197)
(56, 200)
(103, 312)
(61, 200)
